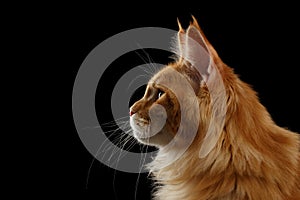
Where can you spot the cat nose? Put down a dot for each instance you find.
(131, 112)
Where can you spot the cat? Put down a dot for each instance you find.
(251, 158)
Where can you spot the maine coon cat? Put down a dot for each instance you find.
(246, 157)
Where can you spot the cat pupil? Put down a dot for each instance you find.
(160, 93)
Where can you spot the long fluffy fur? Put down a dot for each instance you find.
(253, 159)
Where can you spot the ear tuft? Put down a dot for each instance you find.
(179, 26)
(181, 40)
(193, 46)
(195, 23)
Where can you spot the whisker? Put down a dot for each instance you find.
(139, 76)
(115, 120)
(112, 123)
(114, 187)
(106, 144)
(150, 62)
(140, 55)
(89, 172)
(141, 164)
(126, 139)
(122, 139)
(117, 138)
(93, 160)
(117, 124)
(131, 142)
(123, 153)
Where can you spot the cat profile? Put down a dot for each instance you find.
(244, 156)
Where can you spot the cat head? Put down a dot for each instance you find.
(177, 102)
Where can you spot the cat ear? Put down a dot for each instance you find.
(181, 40)
(196, 51)
(203, 57)
(192, 46)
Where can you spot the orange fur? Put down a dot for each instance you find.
(253, 158)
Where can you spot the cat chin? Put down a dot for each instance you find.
(159, 140)
(149, 134)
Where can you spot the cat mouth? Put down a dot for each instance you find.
(141, 129)
(148, 133)
(139, 126)
(141, 121)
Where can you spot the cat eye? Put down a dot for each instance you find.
(160, 93)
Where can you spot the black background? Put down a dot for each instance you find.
(259, 41)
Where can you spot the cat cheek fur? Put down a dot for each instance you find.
(150, 122)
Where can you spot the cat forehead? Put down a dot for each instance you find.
(166, 75)
(170, 78)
